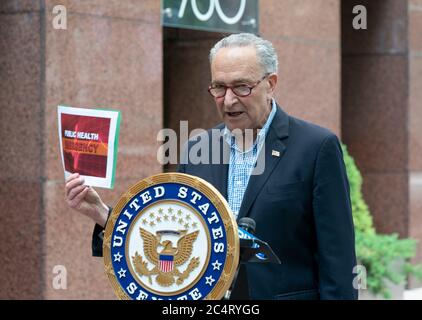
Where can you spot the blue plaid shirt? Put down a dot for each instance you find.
(242, 162)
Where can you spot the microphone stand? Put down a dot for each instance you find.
(251, 251)
(239, 289)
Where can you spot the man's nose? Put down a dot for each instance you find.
(230, 98)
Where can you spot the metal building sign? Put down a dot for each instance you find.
(211, 15)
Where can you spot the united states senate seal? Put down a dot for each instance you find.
(171, 236)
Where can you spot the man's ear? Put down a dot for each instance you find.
(272, 80)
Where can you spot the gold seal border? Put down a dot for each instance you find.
(214, 196)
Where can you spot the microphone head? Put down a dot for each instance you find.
(247, 224)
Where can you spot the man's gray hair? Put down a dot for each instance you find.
(264, 49)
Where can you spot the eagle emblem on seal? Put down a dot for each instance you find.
(166, 258)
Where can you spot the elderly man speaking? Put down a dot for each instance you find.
(300, 200)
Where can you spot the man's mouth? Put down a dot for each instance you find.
(234, 114)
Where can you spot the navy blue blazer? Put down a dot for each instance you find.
(301, 206)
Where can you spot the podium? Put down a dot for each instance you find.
(251, 251)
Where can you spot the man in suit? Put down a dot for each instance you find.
(287, 174)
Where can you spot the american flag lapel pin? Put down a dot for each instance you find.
(275, 153)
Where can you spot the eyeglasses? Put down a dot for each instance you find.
(241, 90)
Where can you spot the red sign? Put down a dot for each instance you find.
(85, 144)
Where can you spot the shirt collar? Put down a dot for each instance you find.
(231, 140)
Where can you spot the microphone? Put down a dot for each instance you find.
(247, 224)
(246, 230)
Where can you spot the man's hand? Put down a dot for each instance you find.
(85, 199)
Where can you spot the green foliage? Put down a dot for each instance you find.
(361, 216)
(380, 254)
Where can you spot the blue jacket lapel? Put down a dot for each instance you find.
(274, 150)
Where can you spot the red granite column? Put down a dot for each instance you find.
(375, 108)
(415, 124)
(306, 35)
(110, 56)
(21, 145)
